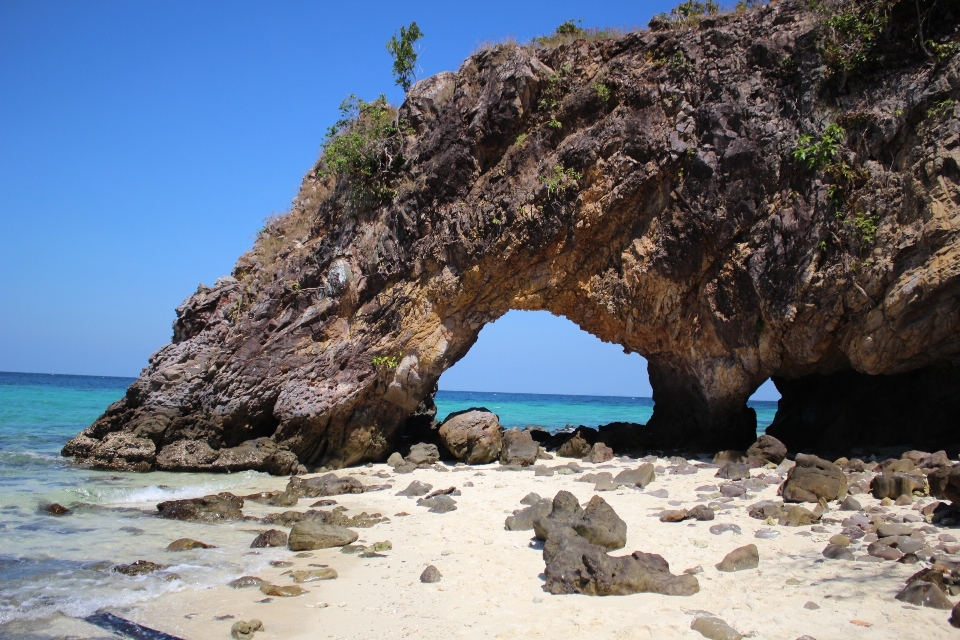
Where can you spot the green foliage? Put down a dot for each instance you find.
(690, 10)
(404, 55)
(849, 35)
(603, 91)
(293, 285)
(942, 51)
(941, 108)
(816, 154)
(866, 226)
(555, 124)
(364, 147)
(385, 362)
(570, 28)
(560, 180)
(552, 93)
(520, 140)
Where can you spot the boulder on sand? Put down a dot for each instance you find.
(599, 453)
(473, 436)
(269, 538)
(813, 479)
(639, 477)
(329, 484)
(423, 454)
(308, 535)
(746, 557)
(519, 447)
(765, 450)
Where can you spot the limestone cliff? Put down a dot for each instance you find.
(645, 187)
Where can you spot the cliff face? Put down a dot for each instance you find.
(645, 188)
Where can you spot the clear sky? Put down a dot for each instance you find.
(143, 143)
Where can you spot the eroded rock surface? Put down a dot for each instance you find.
(670, 218)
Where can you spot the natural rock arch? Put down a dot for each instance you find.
(670, 219)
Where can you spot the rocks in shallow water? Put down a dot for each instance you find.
(246, 581)
(312, 575)
(639, 477)
(924, 594)
(473, 436)
(188, 544)
(269, 538)
(244, 630)
(286, 591)
(518, 447)
(308, 535)
(733, 471)
(813, 479)
(837, 552)
(138, 568)
(56, 509)
(423, 453)
(326, 485)
(600, 453)
(714, 628)
(430, 574)
(438, 504)
(212, 508)
(416, 488)
(746, 557)
(599, 524)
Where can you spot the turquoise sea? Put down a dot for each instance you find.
(56, 570)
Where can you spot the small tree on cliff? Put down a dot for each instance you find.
(404, 55)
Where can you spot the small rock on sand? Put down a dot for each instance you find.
(246, 581)
(714, 628)
(286, 591)
(416, 488)
(308, 535)
(746, 557)
(430, 574)
(244, 630)
(311, 575)
(718, 529)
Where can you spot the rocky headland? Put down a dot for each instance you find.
(734, 197)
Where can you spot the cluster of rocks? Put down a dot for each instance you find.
(576, 545)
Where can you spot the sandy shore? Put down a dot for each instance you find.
(492, 578)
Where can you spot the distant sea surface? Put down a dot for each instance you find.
(554, 412)
(54, 569)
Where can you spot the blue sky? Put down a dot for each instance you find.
(143, 143)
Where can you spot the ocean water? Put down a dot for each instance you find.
(554, 412)
(55, 570)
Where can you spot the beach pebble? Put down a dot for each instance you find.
(438, 504)
(658, 493)
(850, 504)
(244, 630)
(286, 591)
(430, 574)
(312, 575)
(746, 557)
(837, 552)
(714, 628)
(767, 534)
(718, 529)
(246, 581)
(809, 604)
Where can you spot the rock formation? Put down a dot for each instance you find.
(647, 188)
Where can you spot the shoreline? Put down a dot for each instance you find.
(492, 578)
